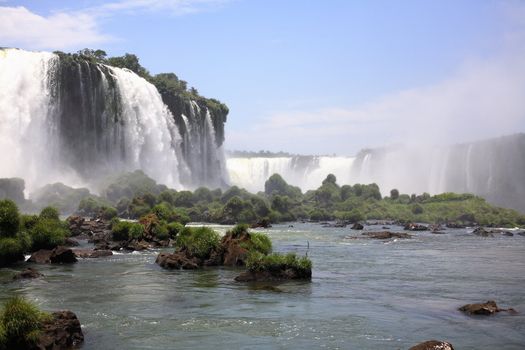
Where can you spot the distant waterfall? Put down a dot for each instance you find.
(75, 121)
(303, 171)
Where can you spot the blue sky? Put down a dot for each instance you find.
(328, 76)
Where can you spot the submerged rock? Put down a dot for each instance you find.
(383, 235)
(59, 255)
(415, 227)
(433, 345)
(62, 331)
(488, 308)
(27, 273)
(272, 275)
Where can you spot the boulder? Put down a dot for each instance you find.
(385, 235)
(415, 227)
(481, 232)
(357, 226)
(62, 331)
(75, 224)
(263, 223)
(488, 308)
(71, 242)
(59, 255)
(433, 345)
(273, 276)
(507, 233)
(177, 261)
(27, 273)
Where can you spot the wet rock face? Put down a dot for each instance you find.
(357, 226)
(177, 261)
(481, 232)
(433, 345)
(415, 227)
(59, 255)
(62, 331)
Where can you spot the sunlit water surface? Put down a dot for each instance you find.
(364, 294)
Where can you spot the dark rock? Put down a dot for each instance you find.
(27, 273)
(357, 226)
(71, 242)
(178, 260)
(269, 276)
(91, 253)
(62, 331)
(385, 228)
(10, 259)
(433, 345)
(385, 235)
(507, 233)
(415, 227)
(436, 228)
(488, 308)
(137, 245)
(59, 255)
(481, 232)
(263, 223)
(521, 233)
(455, 225)
(75, 224)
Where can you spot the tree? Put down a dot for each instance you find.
(394, 194)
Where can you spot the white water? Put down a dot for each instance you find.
(152, 139)
(145, 137)
(26, 110)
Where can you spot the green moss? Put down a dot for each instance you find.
(198, 241)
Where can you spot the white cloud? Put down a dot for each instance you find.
(19, 27)
(22, 28)
(484, 99)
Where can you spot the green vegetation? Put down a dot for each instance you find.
(168, 84)
(125, 230)
(20, 324)
(278, 262)
(198, 241)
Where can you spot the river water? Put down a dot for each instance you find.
(364, 294)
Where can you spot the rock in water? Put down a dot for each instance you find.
(385, 235)
(433, 345)
(176, 261)
(480, 231)
(415, 227)
(62, 331)
(59, 255)
(488, 308)
(27, 273)
(357, 226)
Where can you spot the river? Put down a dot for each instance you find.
(364, 294)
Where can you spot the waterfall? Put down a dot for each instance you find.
(75, 122)
(303, 171)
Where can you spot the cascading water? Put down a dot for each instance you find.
(74, 121)
(303, 171)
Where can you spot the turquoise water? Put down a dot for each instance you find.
(364, 294)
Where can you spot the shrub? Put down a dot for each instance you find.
(9, 218)
(277, 262)
(161, 231)
(199, 241)
(21, 323)
(260, 243)
(47, 234)
(49, 213)
(27, 222)
(109, 213)
(174, 228)
(135, 230)
(120, 230)
(11, 250)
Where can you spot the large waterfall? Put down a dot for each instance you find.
(76, 121)
(493, 169)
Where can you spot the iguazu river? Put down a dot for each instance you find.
(364, 294)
